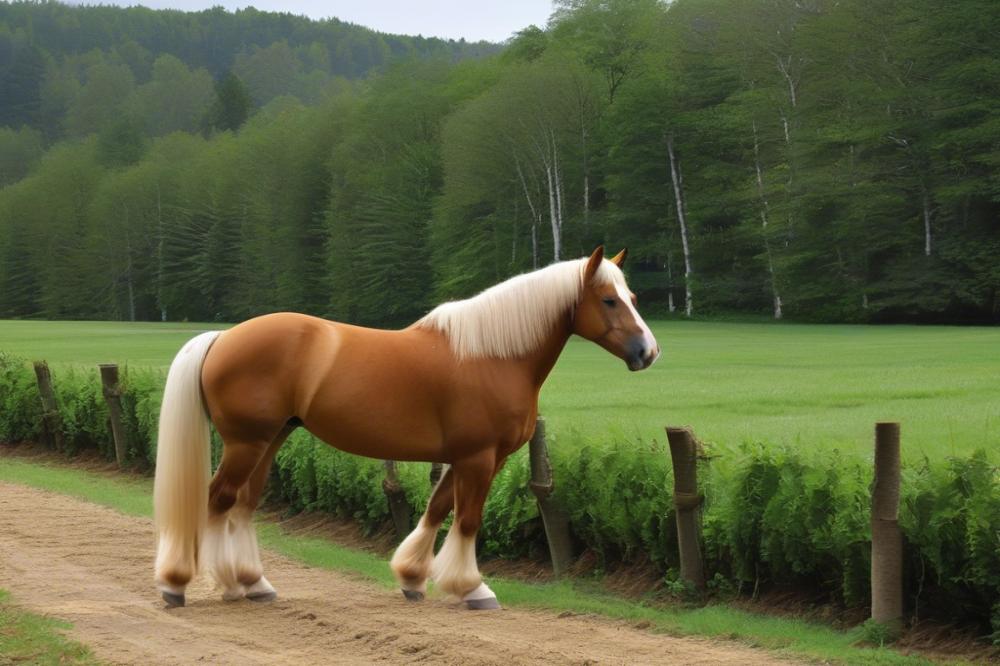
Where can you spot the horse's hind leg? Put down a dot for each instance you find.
(412, 561)
(248, 499)
(229, 550)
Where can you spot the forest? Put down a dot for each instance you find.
(812, 160)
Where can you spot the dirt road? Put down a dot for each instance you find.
(92, 566)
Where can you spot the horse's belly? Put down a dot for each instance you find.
(377, 434)
(384, 444)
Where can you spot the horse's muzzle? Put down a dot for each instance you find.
(639, 355)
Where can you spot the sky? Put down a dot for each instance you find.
(492, 20)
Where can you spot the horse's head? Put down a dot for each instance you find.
(606, 313)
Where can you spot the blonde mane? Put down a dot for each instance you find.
(514, 318)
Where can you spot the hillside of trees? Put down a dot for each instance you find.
(805, 159)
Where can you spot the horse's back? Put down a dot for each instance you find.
(362, 390)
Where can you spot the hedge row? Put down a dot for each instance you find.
(773, 517)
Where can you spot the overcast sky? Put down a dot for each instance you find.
(493, 20)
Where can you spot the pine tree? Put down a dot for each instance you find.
(232, 105)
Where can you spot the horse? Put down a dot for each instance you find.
(459, 386)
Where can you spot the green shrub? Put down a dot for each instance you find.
(511, 525)
(785, 518)
(349, 486)
(295, 471)
(878, 633)
(83, 411)
(951, 518)
(142, 392)
(20, 403)
(619, 496)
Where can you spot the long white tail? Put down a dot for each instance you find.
(183, 466)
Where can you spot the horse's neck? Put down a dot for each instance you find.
(544, 358)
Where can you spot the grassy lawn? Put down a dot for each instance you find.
(808, 385)
(784, 635)
(31, 639)
(92, 342)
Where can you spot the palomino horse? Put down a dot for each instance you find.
(459, 386)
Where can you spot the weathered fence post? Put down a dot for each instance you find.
(684, 457)
(887, 540)
(437, 469)
(398, 506)
(553, 517)
(112, 396)
(51, 420)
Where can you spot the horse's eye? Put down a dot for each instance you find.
(610, 302)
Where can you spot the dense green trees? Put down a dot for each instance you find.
(810, 160)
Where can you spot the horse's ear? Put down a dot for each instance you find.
(593, 263)
(619, 259)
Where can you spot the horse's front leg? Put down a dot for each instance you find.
(412, 561)
(454, 569)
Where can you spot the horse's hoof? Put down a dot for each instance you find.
(413, 595)
(489, 603)
(262, 597)
(173, 600)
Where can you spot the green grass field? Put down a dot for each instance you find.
(806, 385)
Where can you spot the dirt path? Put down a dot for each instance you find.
(92, 566)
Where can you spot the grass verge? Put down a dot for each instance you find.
(26, 638)
(785, 636)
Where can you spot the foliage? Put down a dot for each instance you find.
(83, 412)
(833, 161)
(20, 402)
(951, 519)
(773, 516)
(232, 104)
(878, 633)
(617, 496)
(782, 516)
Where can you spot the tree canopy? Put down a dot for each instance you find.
(813, 160)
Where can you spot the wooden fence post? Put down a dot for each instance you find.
(684, 457)
(398, 506)
(437, 469)
(51, 420)
(112, 396)
(887, 539)
(553, 517)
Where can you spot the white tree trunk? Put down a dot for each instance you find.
(559, 188)
(670, 282)
(513, 240)
(534, 244)
(764, 209)
(128, 267)
(546, 151)
(553, 215)
(927, 224)
(159, 256)
(675, 176)
(586, 176)
(535, 215)
(785, 66)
